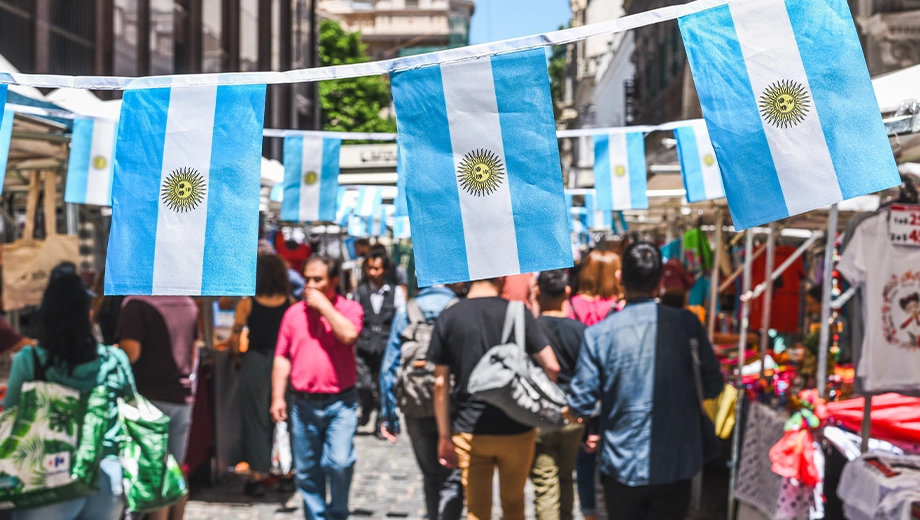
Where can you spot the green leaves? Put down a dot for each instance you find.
(351, 104)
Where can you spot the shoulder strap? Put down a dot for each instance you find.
(414, 312)
(574, 311)
(514, 319)
(38, 369)
(697, 378)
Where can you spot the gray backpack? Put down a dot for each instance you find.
(414, 386)
(508, 379)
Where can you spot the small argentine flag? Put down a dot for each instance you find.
(343, 209)
(483, 177)
(6, 138)
(402, 207)
(401, 228)
(89, 169)
(311, 178)
(597, 218)
(369, 200)
(619, 171)
(789, 106)
(698, 164)
(380, 221)
(185, 212)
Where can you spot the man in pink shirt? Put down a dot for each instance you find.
(316, 354)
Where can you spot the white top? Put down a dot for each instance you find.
(877, 483)
(890, 279)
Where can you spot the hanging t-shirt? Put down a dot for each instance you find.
(696, 254)
(890, 279)
(869, 480)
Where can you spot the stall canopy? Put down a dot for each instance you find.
(895, 88)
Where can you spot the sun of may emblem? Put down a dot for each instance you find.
(619, 170)
(481, 172)
(99, 162)
(784, 104)
(310, 178)
(709, 160)
(183, 190)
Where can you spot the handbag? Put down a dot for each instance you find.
(507, 379)
(152, 478)
(712, 446)
(27, 262)
(52, 443)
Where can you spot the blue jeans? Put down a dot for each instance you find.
(322, 434)
(107, 504)
(585, 478)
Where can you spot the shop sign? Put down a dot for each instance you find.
(904, 225)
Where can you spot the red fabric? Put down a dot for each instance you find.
(519, 287)
(320, 363)
(201, 433)
(794, 457)
(294, 257)
(787, 292)
(894, 417)
(675, 276)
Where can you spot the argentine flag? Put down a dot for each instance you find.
(6, 138)
(698, 164)
(401, 228)
(402, 207)
(185, 199)
(789, 106)
(619, 171)
(483, 177)
(369, 200)
(345, 206)
(596, 218)
(89, 169)
(311, 178)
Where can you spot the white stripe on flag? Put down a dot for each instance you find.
(181, 236)
(806, 173)
(99, 180)
(472, 115)
(712, 177)
(619, 172)
(312, 161)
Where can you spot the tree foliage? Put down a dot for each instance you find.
(352, 104)
(557, 70)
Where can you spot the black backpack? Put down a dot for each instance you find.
(414, 386)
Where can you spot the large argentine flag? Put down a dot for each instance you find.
(698, 164)
(6, 138)
(619, 171)
(89, 169)
(789, 106)
(311, 178)
(185, 210)
(483, 178)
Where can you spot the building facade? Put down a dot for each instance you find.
(392, 28)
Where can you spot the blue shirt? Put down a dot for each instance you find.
(431, 301)
(638, 364)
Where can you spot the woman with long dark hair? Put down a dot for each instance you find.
(262, 315)
(68, 354)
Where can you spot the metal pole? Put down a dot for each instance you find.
(737, 272)
(821, 376)
(714, 276)
(745, 316)
(767, 298)
(866, 427)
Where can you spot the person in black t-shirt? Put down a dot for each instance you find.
(554, 463)
(482, 437)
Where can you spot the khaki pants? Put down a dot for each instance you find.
(479, 455)
(552, 473)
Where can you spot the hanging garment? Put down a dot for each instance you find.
(697, 253)
(889, 276)
(787, 292)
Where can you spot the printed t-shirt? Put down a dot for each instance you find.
(565, 339)
(590, 312)
(890, 279)
(166, 327)
(320, 363)
(868, 480)
(462, 336)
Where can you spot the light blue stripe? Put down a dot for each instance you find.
(135, 192)
(730, 108)
(525, 111)
(293, 166)
(6, 137)
(603, 184)
(431, 182)
(329, 183)
(638, 177)
(690, 168)
(232, 233)
(402, 209)
(342, 212)
(843, 96)
(81, 142)
(3, 90)
(590, 209)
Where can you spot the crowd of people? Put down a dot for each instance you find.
(327, 357)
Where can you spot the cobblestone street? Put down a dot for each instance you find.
(387, 484)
